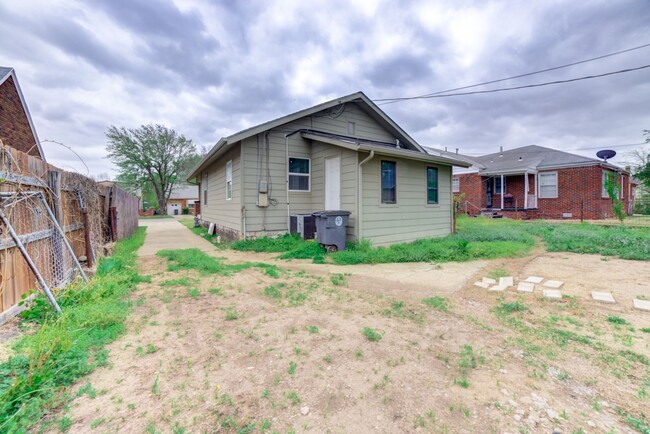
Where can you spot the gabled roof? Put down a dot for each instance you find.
(533, 158)
(5, 73)
(185, 191)
(358, 97)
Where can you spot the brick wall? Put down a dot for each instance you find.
(474, 188)
(15, 130)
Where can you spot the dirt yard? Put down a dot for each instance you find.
(253, 353)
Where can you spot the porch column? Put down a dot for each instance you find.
(536, 191)
(526, 190)
(503, 192)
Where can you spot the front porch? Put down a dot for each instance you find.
(510, 192)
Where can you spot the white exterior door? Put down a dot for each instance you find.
(333, 183)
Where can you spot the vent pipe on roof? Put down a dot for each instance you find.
(445, 149)
(457, 150)
(397, 143)
(500, 151)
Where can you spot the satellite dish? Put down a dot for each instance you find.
(606, 154)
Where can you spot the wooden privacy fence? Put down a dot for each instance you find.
(49, 220)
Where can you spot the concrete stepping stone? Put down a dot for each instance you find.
(552, 294)
(526, 287)
(490, 281)
(603, 297)
(553, 284)
(481, 284)
(497, 288)
(534, 279)
(642, 304)
(506, 281)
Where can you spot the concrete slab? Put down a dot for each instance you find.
(642, 304)
(553, 284)
(534, 279)
(603, 297)
(506, 281)
(552, 294)
(482, 284)
(526, 287)
(489, 281)
(497, 288)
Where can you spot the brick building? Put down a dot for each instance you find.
(16, 126)
(534, 182)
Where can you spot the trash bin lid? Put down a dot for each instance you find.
(331, 213)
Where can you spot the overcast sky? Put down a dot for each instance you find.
(209, 68)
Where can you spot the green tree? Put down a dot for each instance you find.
(151, 156)
(642, 167)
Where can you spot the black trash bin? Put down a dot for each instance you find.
(330, 229)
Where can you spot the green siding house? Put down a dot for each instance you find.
(344, 154)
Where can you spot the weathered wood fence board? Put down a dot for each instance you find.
(20, 172)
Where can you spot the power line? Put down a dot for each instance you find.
(476, 92)
(393, 100)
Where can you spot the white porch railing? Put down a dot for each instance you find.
(532, 201)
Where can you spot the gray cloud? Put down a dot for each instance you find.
(209, 68)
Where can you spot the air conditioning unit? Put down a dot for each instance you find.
(303, 224)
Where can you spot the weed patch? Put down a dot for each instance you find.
(65, 346)
(371, 335)
(195, 259)
(437, 302)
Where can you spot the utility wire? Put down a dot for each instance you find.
(392, 100)
(476, 92)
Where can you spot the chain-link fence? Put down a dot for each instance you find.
(31, 231)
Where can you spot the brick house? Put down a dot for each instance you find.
(183, 196)
(16, 126)
(534, 182)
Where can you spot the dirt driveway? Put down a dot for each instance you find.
(324, 348)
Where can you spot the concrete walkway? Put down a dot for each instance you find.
(170, 234)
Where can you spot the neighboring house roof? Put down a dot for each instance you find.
(5, 74)
(185, 192)
(533, 158)
(363, 102)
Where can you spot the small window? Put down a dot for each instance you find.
(205, 188)
(455, 184)
(548, 185)
(388, 182)
(299, 170)
(497, 185)
(432, 185)
(229, 180)
(190, 205)
(352, 128)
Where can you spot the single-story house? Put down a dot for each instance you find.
(344, 154)
(536, 182)
(182, 196)
(16, 126)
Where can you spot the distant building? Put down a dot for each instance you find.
(534, 182)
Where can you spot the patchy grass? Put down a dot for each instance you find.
(195, 259)
(437, 302)
(202, 232)
(371, 335)
(68, 346)
(156, 217)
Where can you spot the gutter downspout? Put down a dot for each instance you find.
(360, 191)
(286, 151)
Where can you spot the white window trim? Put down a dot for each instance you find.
(205, 188)
(455, 180)
(381, 201)
(494, 185)
(308, 175)
(426, 185)
(229, 179)
(539, 178)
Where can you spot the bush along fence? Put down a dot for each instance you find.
(51, 223)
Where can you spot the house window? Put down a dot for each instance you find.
(299, 170)
(229, 180)
(432, 185)
(548, 185)
(351, 128)
(455, 184)
(205, 188)
(606, 174)
(497, 185)
(190, 205)
(388, 182)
